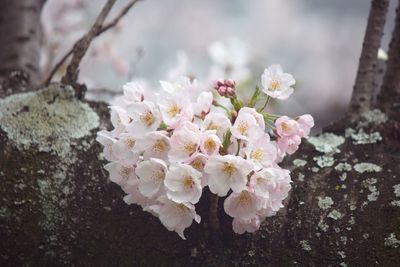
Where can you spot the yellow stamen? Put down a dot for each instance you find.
(243, 127)
(229, 168)
(244, 197)
(213, 126)
(257, 154)
(130, 143)
(160, 146)
(188, 182)
(275, 85)
(124, 172)
(173, 110)
(210, 145)
(189, 148)
(197, 164)
(147, 118)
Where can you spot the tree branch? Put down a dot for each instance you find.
(80, 48)
(361, 100)
(103, 29)
(390, 90)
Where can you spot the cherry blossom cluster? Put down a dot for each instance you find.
(167, 147)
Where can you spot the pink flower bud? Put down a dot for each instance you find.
(225, 87)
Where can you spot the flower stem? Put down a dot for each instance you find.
(238, 147)
(265, 104)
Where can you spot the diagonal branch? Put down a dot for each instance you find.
(361, 100)
(80, 48)
(103, 29)
(390, 91)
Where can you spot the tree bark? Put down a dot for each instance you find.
(361, 99)
(57, 206)
(389, 97)
(20, 39)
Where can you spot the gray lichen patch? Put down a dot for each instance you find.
(367, 167)
(374, 116)
(334, 214)
(299, 162)
(327, 142)
(396, 190)
(305, 245)
(324, 161)
(343, 166)
(392, 241)
(360, 137)
(325, 203)
(48, 119)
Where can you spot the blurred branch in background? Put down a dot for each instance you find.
(361, 99)
(390, 91)
(94, 32)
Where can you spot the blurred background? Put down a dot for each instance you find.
(317, 41)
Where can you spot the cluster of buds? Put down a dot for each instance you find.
(225, 87)
(166, 148)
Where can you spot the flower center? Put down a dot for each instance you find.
(173, 110)
(147, 118)
(257, 154)
(229, 168)
(243, 127)
(159, 146)
(285, 127)
(244, 197)
(189, 148)
(197, 164)
(188, 182)
(124, 172)
(130, 143)
(210, 145)
(275, 85)
(158, 176)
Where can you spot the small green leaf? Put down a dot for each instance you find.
(255, 97)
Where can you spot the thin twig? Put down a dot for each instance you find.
(103, 29)
(390, 90)
(80, 48)
(361, 99)
(214, 221)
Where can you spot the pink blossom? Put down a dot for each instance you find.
(184, 143)
(154, 145)
(146, 117)
(151, 175)
(276, 83)
(243, 205)
(175, 108)
(105, 138)
(286, 127)
(183, 183)
(176, 216)
(306, 122)
(210, 143)
(218, 122)
(261, 151)
(227, 172)
(245, 127)
(241, 226)
(119, 173)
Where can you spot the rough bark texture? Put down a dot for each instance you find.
(20, 38)
(361, 99)
(391, 81)
(58, 207)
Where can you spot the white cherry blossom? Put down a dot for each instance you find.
(151, 175)
(227, 172)
(183, 183)
(276, 83)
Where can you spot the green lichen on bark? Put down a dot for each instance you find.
(49, 119)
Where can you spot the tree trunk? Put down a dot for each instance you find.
(57, 206)
(20, 35)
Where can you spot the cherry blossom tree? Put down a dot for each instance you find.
(60, 206)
